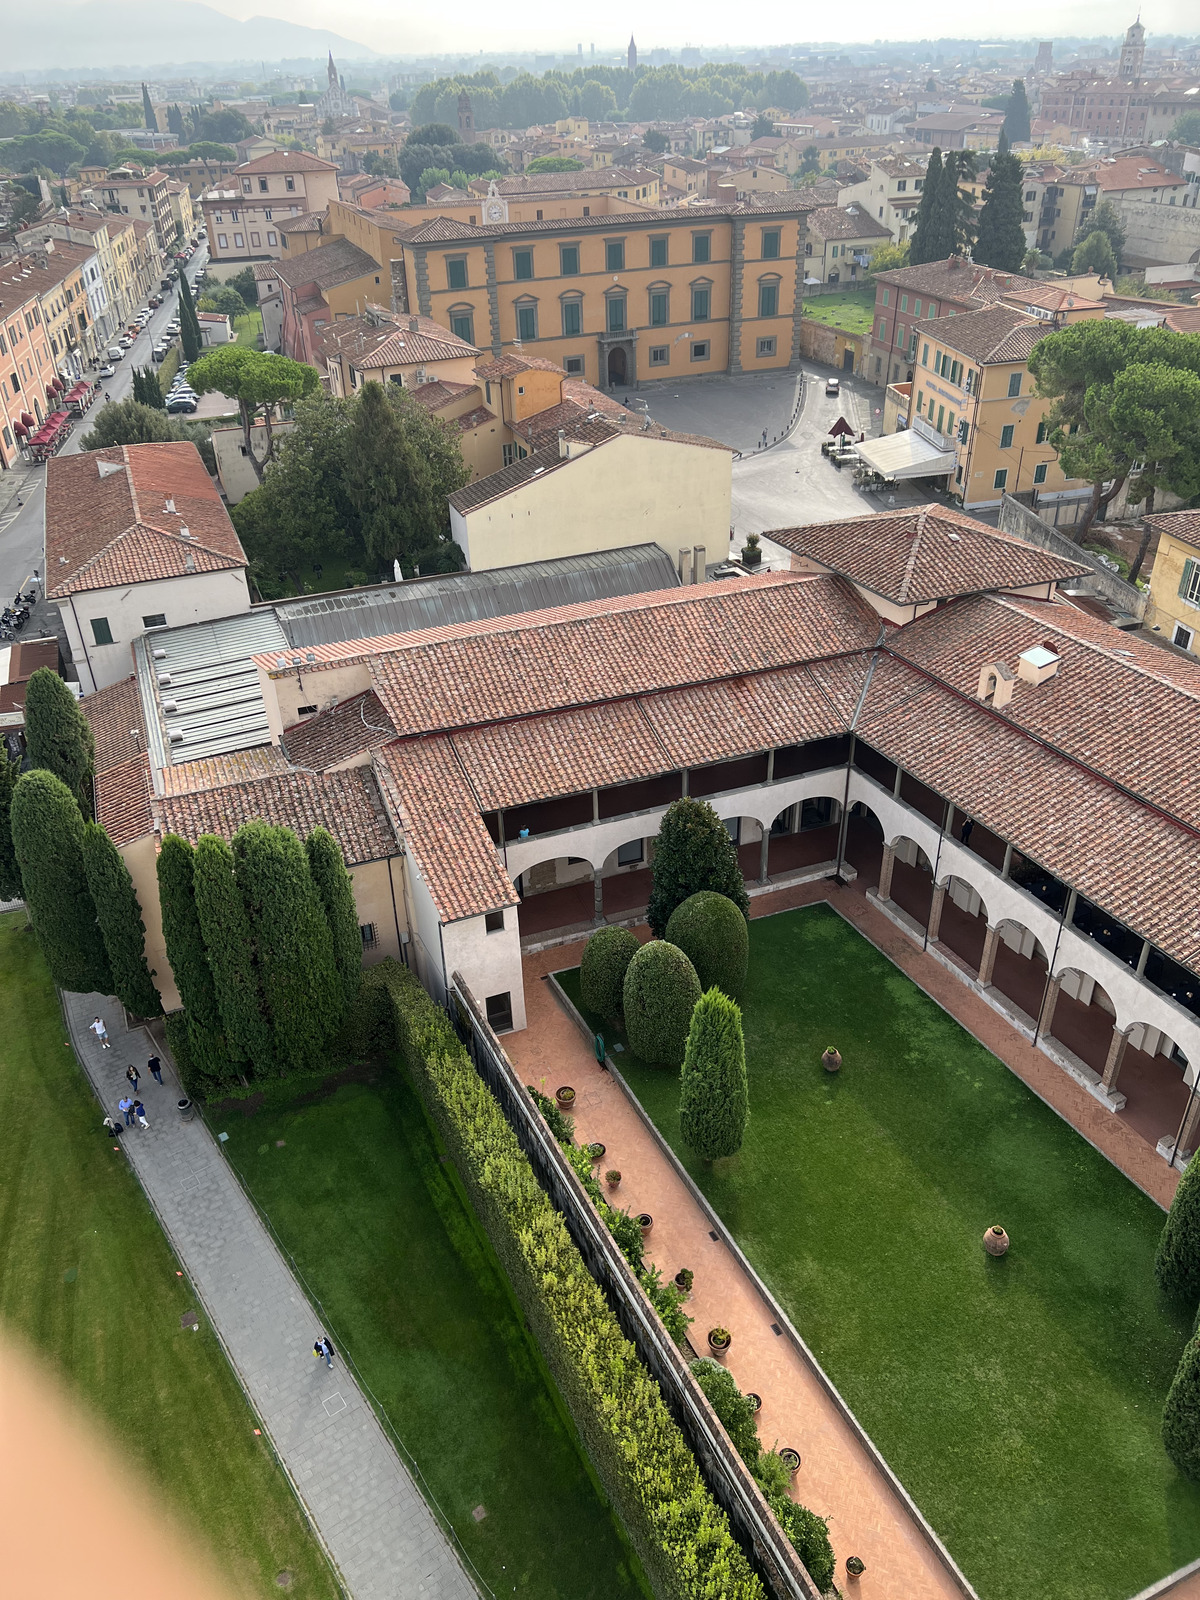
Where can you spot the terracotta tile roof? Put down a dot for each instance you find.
(117, 723)
(1179, 524)
(383, 340)
(547, 182)
(284, 161)
(477, 418)
(302, 222)
(432, 805)
(347, 803)
(213, 772)
(510, 366)
(339, 261)
(958, 280)
(348, 730)
(715, 721)
(998, 334)
(123, 804)
(928, 553)
(845, 222)
(609, 649)
(440, 392)
(106, 522)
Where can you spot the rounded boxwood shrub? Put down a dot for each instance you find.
(712, 933)
(602, 970)
(661, 990)
(1181, 1414)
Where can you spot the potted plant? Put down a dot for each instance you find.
(855, 1566)
(790, 1459)
(595, 1150)
(684, 1279)
(612, 1178)
(719, 1340)
(565, 1097)
(755, 1401)
(832, 1059)
(995, 1241)
(751, 554)
(645, 1222)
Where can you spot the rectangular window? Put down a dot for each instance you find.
(1039, 472)
(101, 632)
(1014, 385)
(883, 299)
(904, 302)
(255, 241)
(627, 854)
(1006, 435)
(768, 299)
(1182, 637)
(572, 318)
(522, 264)
(659, 252)
(493, 922)
(289, 183)
(925, 356)
(700, 304)
(462, 326)
(920, 401)
(245, 185)
(1042, 430)
(526, 322)
(1001, 478)
(701, 247)
(271, 239)
(614, 255)
(238, 242)
(660, 354)
(900, 337)
(699, 349)
(616, 313)
(950, 424)
(573, 366)
(766, 347)
(368, 934)
(770, 244)
(456, 272)
(658, 309)
(158, 620)
(568, 260)
(222, 242)
(499, 1012)
(916, 308)
(1189, 584)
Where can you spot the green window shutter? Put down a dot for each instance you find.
(1185, 583)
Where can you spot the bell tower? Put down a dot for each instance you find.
(1133, 52)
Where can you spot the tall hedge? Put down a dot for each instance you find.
(642, 1458)
(606, 959)
(337, 898)
(693, 851)
(304, 999)
(47, 831)
(10, 873)
(714, 1099)
(1181, 1413)
(121, 925)
(1177, 1262)
(58, 737)
(712, 933)
(231, 958)
(660, 993)
(181, 931)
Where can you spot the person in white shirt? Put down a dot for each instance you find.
(101, 1033)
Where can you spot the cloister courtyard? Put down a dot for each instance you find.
(1018, 1400)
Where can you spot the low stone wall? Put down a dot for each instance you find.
(1022, 523)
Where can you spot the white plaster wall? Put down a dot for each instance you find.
(199, 597)
(489, 962)
(425, 932)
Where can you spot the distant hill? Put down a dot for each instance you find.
(141, 33)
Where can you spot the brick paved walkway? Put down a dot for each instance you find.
(379, 1531)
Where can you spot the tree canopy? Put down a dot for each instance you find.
(693, 851)
(1186, 129)
(1095, 254)
(58, 737)
(121, 925)
(554, 164)
(1016, 114)
(1001, 239)
(713, 1092)
(131, 422)
(258, 381)
(47, 834)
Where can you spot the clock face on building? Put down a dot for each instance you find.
(495, 212)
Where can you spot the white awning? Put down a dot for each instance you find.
(906, 455)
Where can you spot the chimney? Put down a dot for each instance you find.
(685, 556)
(1037, 665)
(996, 683)
(699, 559)
(414, 325)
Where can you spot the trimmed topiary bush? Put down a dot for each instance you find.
(1181, 1414)
(735, 1412)
(602, 971)
(713, 1093)
(693, 851)
(1177, 1263)
(660, 994)
(712, 933)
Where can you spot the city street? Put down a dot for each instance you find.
(22, 491)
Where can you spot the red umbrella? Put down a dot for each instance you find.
(20, 430)
(841, 426)
(28, 420)
(57, 386)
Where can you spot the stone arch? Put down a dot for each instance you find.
(962, 920)
(803, 834)
(1081, 1016)
(556, 892)
(863, 843)
(1018, 966)
(910, 882)
(1153, 1076)
(623, 877)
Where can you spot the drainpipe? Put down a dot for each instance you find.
(1068, 911)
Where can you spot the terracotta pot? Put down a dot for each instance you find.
(755, 1401)
(613, 1179)
(683, 1281)
(855, 1566)
(717, 1346)
(790, 1458)
(645, 1222)
(995, 1241)
(596, 1150)
(832, 1060)
(565, 1097)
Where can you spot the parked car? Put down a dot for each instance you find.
(160, 352)
(833, 387)
(108, 372)
(155, 301)
(182, 402)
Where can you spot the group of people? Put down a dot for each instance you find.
(130, 1106)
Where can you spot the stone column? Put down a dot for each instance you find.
(1116, 1054)
(598, 893)
(885, 873)
(1187, 1139)
(935, 911)
(1049, 1001)
(987, 961)
(764, 855)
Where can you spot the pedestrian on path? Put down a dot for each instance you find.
(125, 1107)
(131, 1072)
(112, 1127)
(139, 1112)
(154, 1068)
(101, 1033)
(323, 1348)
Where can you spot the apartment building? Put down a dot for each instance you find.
(839, 243)
(242, 217)
(54, 272)
(26, 365)
(110, 247)
(1174, 609)
(891, 193)
(136, 192)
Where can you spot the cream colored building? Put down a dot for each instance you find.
(1174, 608)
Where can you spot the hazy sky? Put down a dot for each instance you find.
(543, 24)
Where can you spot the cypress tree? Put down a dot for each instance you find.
(148, 110)
(1181, 1413)
(58, 736)
(1016, 118)
(713, 1092)
(189, 327)
(926, 242)
(693, 851)
(337, 897)
(47, 832)
(181, 931)
(958, 204)
(294, 946)
(121, 925)
(10, 873)
(1001, 239)
(1177, 1262)
(231, 958)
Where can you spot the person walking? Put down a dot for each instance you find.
(139, 1112)
(131, 1073)
(154, 1068)
(101, 1033)
(112, 1127)
(322, 1347)
(125, 1107)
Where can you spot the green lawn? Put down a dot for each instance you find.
(1018, 1400)
(374, 1214)
(848, 309)
(87, 1279)
(247, 329)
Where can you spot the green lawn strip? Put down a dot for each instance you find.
(851, 310)
(88, 1280)
(1017, 1400)
(168, 367)
(383, 1234)
(247, 329)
